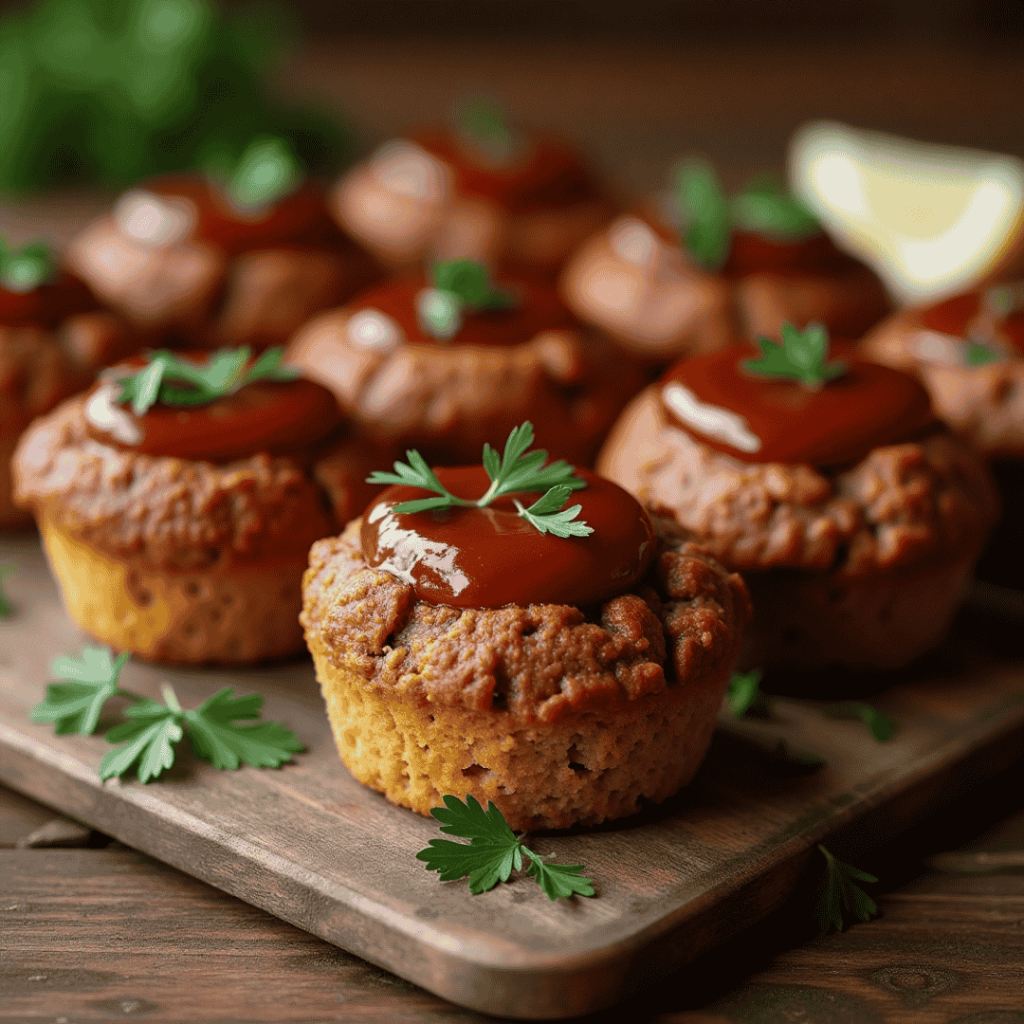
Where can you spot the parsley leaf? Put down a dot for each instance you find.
(802, 356)
(704, 210)
(90, 681)
(766, 208)
(482, 121)
(744, 695)
(6, 608)
(25, 269)
(840, 898)
(493, 852)
(457, 285)
(267, 171)
(148, 740)
(881, 726)
(516, 470)
(978, 354)
(172, 380)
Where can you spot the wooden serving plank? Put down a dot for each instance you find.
(312, 846)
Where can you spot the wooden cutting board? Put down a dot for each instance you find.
(312, 846)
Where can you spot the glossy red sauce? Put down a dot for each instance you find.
(300, 218)
(537, 308)
(547, 175)
(48, 305)
(953, 316)
(835, 425)
(295, 418)
(491, 557)
(751, 253)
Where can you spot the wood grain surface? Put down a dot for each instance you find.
(310, 845)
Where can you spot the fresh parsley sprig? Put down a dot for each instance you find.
(516, 470)
(977, 353)
(744, 695)
(172, 380)
(881, 726)
(802, 356)
(90, 680)
(457, 286)
(840, 897)
(6, 607)
(482, 120)
(26, 268)
(266, 172)
(493, 852)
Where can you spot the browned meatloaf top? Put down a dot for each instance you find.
(900, 505)
(177, 513)
(539, 662)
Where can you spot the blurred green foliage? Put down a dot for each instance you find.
(109, 91)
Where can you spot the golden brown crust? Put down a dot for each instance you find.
(448, 400)
(900, 505)
(537, 663)
(984, 402)
(174, 513)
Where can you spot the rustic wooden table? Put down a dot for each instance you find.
(92, 931)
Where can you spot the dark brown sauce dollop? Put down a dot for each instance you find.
(296, 418)
(759, 419)
(492, 557)
(547, 174)
(300, 218)
(536, 308)
(48, 305)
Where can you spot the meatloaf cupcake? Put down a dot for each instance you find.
(481, 191)
(472, 636)
(450, 363)
(698, 270)
(854, 515)
(53, 340)
(968, 351)
(178, 498)
(200, 263)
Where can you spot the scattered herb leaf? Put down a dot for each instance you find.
(25, 269)
(881, 726)
(744, 695)
(764, 207)
(90, 681)
(457, 285)
(482, 120)
(149, 738)
(514, 471)
(840, 898)
(493, 852)
(704, 211)
(267, 171)
(978, 354)
(802, 356)
(6, 608)
(172, 380)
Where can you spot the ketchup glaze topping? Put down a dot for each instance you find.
(299, 218)
(46, 305)
(963, 315)
(297, 418)
(491, 557)
(761, 419)
(536, 308)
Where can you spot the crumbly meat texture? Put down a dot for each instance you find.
(448, 400)
(984, 402)
(176, 513)
(899, 505)
(538, 662)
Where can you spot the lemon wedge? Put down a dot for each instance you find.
(930, 219)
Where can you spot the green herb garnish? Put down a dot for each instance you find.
(90, 680)
(802, 356)
(149, 737)
(493, 852)
(881, 726)
(171, 380)
(764, 207)
(267, 171)
(704, 209)
(25, 269)
(6, 608)
(744, 695)
(840, 898)
(457, 286)
(482, 120)
(978, 354)
(514, 471)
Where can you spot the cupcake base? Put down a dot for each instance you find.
(232, 616)
(579, 770)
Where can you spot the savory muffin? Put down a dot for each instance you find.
(449, 363)
(198, 262)
(481, 190)
(53, 339)
(696, 270)
(178, 498)
(565, 677)
(853, 514)
(968, 351)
